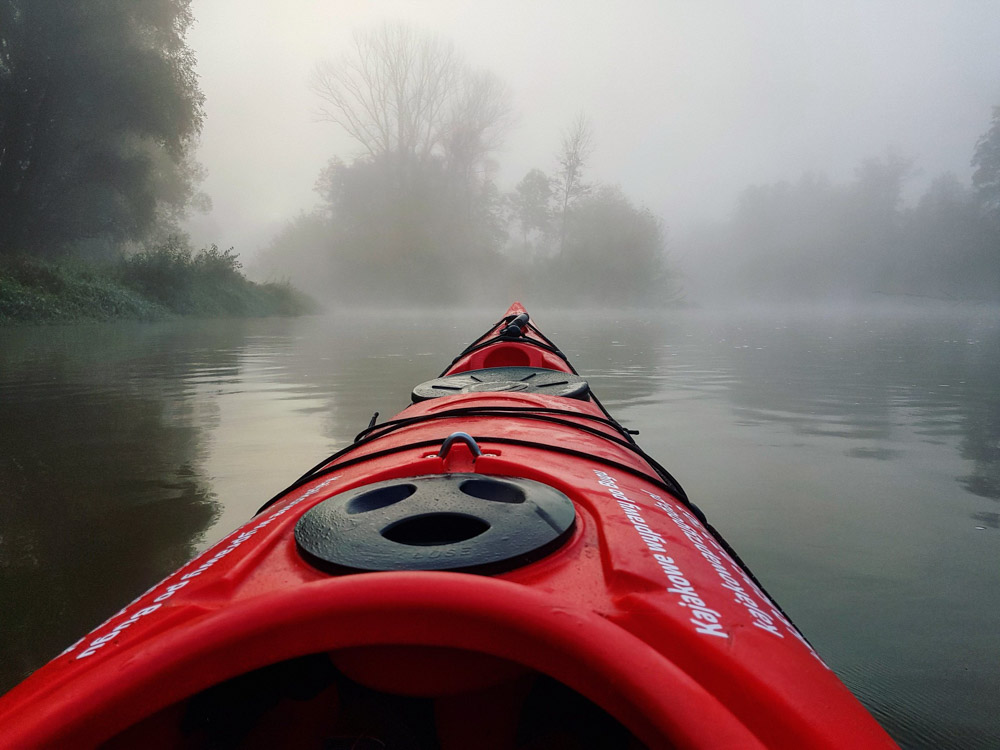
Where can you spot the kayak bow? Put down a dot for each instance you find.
(498, 566)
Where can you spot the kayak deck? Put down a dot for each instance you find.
(498, 566)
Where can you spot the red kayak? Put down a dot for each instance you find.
(498, 566)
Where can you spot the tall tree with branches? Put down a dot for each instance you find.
(99, 113)
(986, 160)
(420, 195)
(575, 150)
(407, 93)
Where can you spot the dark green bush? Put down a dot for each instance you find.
(164, 280)
(38, 291)
(163, 273)
(220, 265)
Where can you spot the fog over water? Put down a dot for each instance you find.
(767, 232)
(853, 461)
(689, 102)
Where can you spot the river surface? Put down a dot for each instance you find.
(852, 458)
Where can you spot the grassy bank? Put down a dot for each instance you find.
(166, 281)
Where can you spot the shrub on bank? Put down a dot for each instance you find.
(37, 291)
(209, 282)
(164, 273)
(168, 279)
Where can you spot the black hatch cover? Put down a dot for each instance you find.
(511, 379)
(467, 522)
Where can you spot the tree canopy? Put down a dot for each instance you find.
(814, 239)
(99, 112)
(986, 160)
(405, 92)
(614, 253)
(417, 215)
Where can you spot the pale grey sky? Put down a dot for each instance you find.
(690, 100)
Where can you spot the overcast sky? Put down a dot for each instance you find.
(690, 100)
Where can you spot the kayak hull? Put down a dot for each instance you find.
(640, 608)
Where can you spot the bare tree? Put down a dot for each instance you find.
(480, 116)
(404, 92)
(577, 146)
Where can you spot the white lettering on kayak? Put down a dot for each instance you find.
(765, 615)
(705, 621)
(232, 542)
(761, 619)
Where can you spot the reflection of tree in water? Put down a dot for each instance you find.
(860, 378)
(99, 479)
(354, 367)
(820, 378)
(981, 443)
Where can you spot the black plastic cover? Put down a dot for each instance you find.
(466, 522)
(518, 379)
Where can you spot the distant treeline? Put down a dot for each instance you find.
(100, 112)
(419, 219)
(815, 239)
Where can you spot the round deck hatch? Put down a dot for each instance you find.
(467, 522)
(511, 379)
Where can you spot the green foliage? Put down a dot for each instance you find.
(99, 109)
(209, 282)
(37, 291)
(156, 283)
(220, 265)
(164, 273)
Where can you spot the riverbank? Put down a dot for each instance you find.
(161, 283)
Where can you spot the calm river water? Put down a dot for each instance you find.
(853, 459)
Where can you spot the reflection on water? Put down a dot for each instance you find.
(99, 480)
(853, 460)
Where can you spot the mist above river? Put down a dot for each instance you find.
(790, 150)
(851, 459)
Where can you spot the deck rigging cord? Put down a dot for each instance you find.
(516, 329)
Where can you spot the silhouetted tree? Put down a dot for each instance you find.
(410, 94)
(418, 211)
(417, 216)
(418, 244)
(950, 247)
(986, 160)
(615, 254)
(814, 239)
(576, 148)
(530, 202)
(479, 117)
(872, 237)
(788, 238)
(99, 110)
